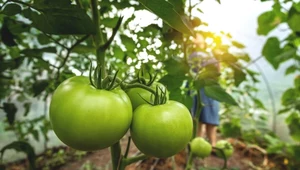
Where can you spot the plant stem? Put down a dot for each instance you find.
(127, 161)
(224, 157)
(197, 113)
(115, 152)
(189, 164)
(98, 37)
(195, 129)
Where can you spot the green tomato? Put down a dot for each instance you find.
(226, 147)
(200, 147)
(86, 118)
(138, 95)
(161, 130)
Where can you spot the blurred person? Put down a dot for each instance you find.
(209, 116)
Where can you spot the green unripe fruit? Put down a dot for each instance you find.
(200, 147)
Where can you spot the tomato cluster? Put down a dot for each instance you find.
(86, 118)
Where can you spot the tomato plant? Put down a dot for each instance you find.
(161, 130)
(200, 147)
(226, 147)
(87, 118)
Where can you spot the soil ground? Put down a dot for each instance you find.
(244, 158)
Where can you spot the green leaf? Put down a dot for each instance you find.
(6, 36)
(239, 76)
(128, 42)
(293, 122)
(39, 86)
(297, 83)
(43, 39)
(178, 6)
(118, 52)
(272, 49)
(287, 54)
(176, 66)
(62, 21)
(11, 9)
(35, 134)
(293, 19)
(21, 146)
(84, 49)
(26, 108)
(289, 97)
(172, 82)
(237, 44)
(168, 14)
(267, 21)
(231, 129)
(218, 93)
(38, 52)
(10, 109)
(110, 22)
(53, 3)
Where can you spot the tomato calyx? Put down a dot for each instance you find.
(108, 83)
(141, 79)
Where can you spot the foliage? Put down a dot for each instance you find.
(44, 42)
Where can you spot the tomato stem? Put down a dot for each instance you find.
(189, 165)
(127, 147)
(115, 151)
(223, 156)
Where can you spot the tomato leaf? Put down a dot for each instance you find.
(218, 93)
(47, 3)
(6, 35)
(288, 97)
(38, 52)
(26, 108)
(21, 146)
(39, 86)
(237, 44)
(267, 21)
(271, 49)
(61, 20)
(293, 19)
(168, 14)
(11, 10)
(176, 66)
(128, 42)
(239, 76)
(293, 122)
(10, 109)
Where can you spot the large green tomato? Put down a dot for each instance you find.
(200, 147)
(226, 147)
(136, 93)
(161, 130)
(86, 118)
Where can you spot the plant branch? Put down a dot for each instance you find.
(111, 38)
(56, 41)
(69, 50)
(128, 161)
